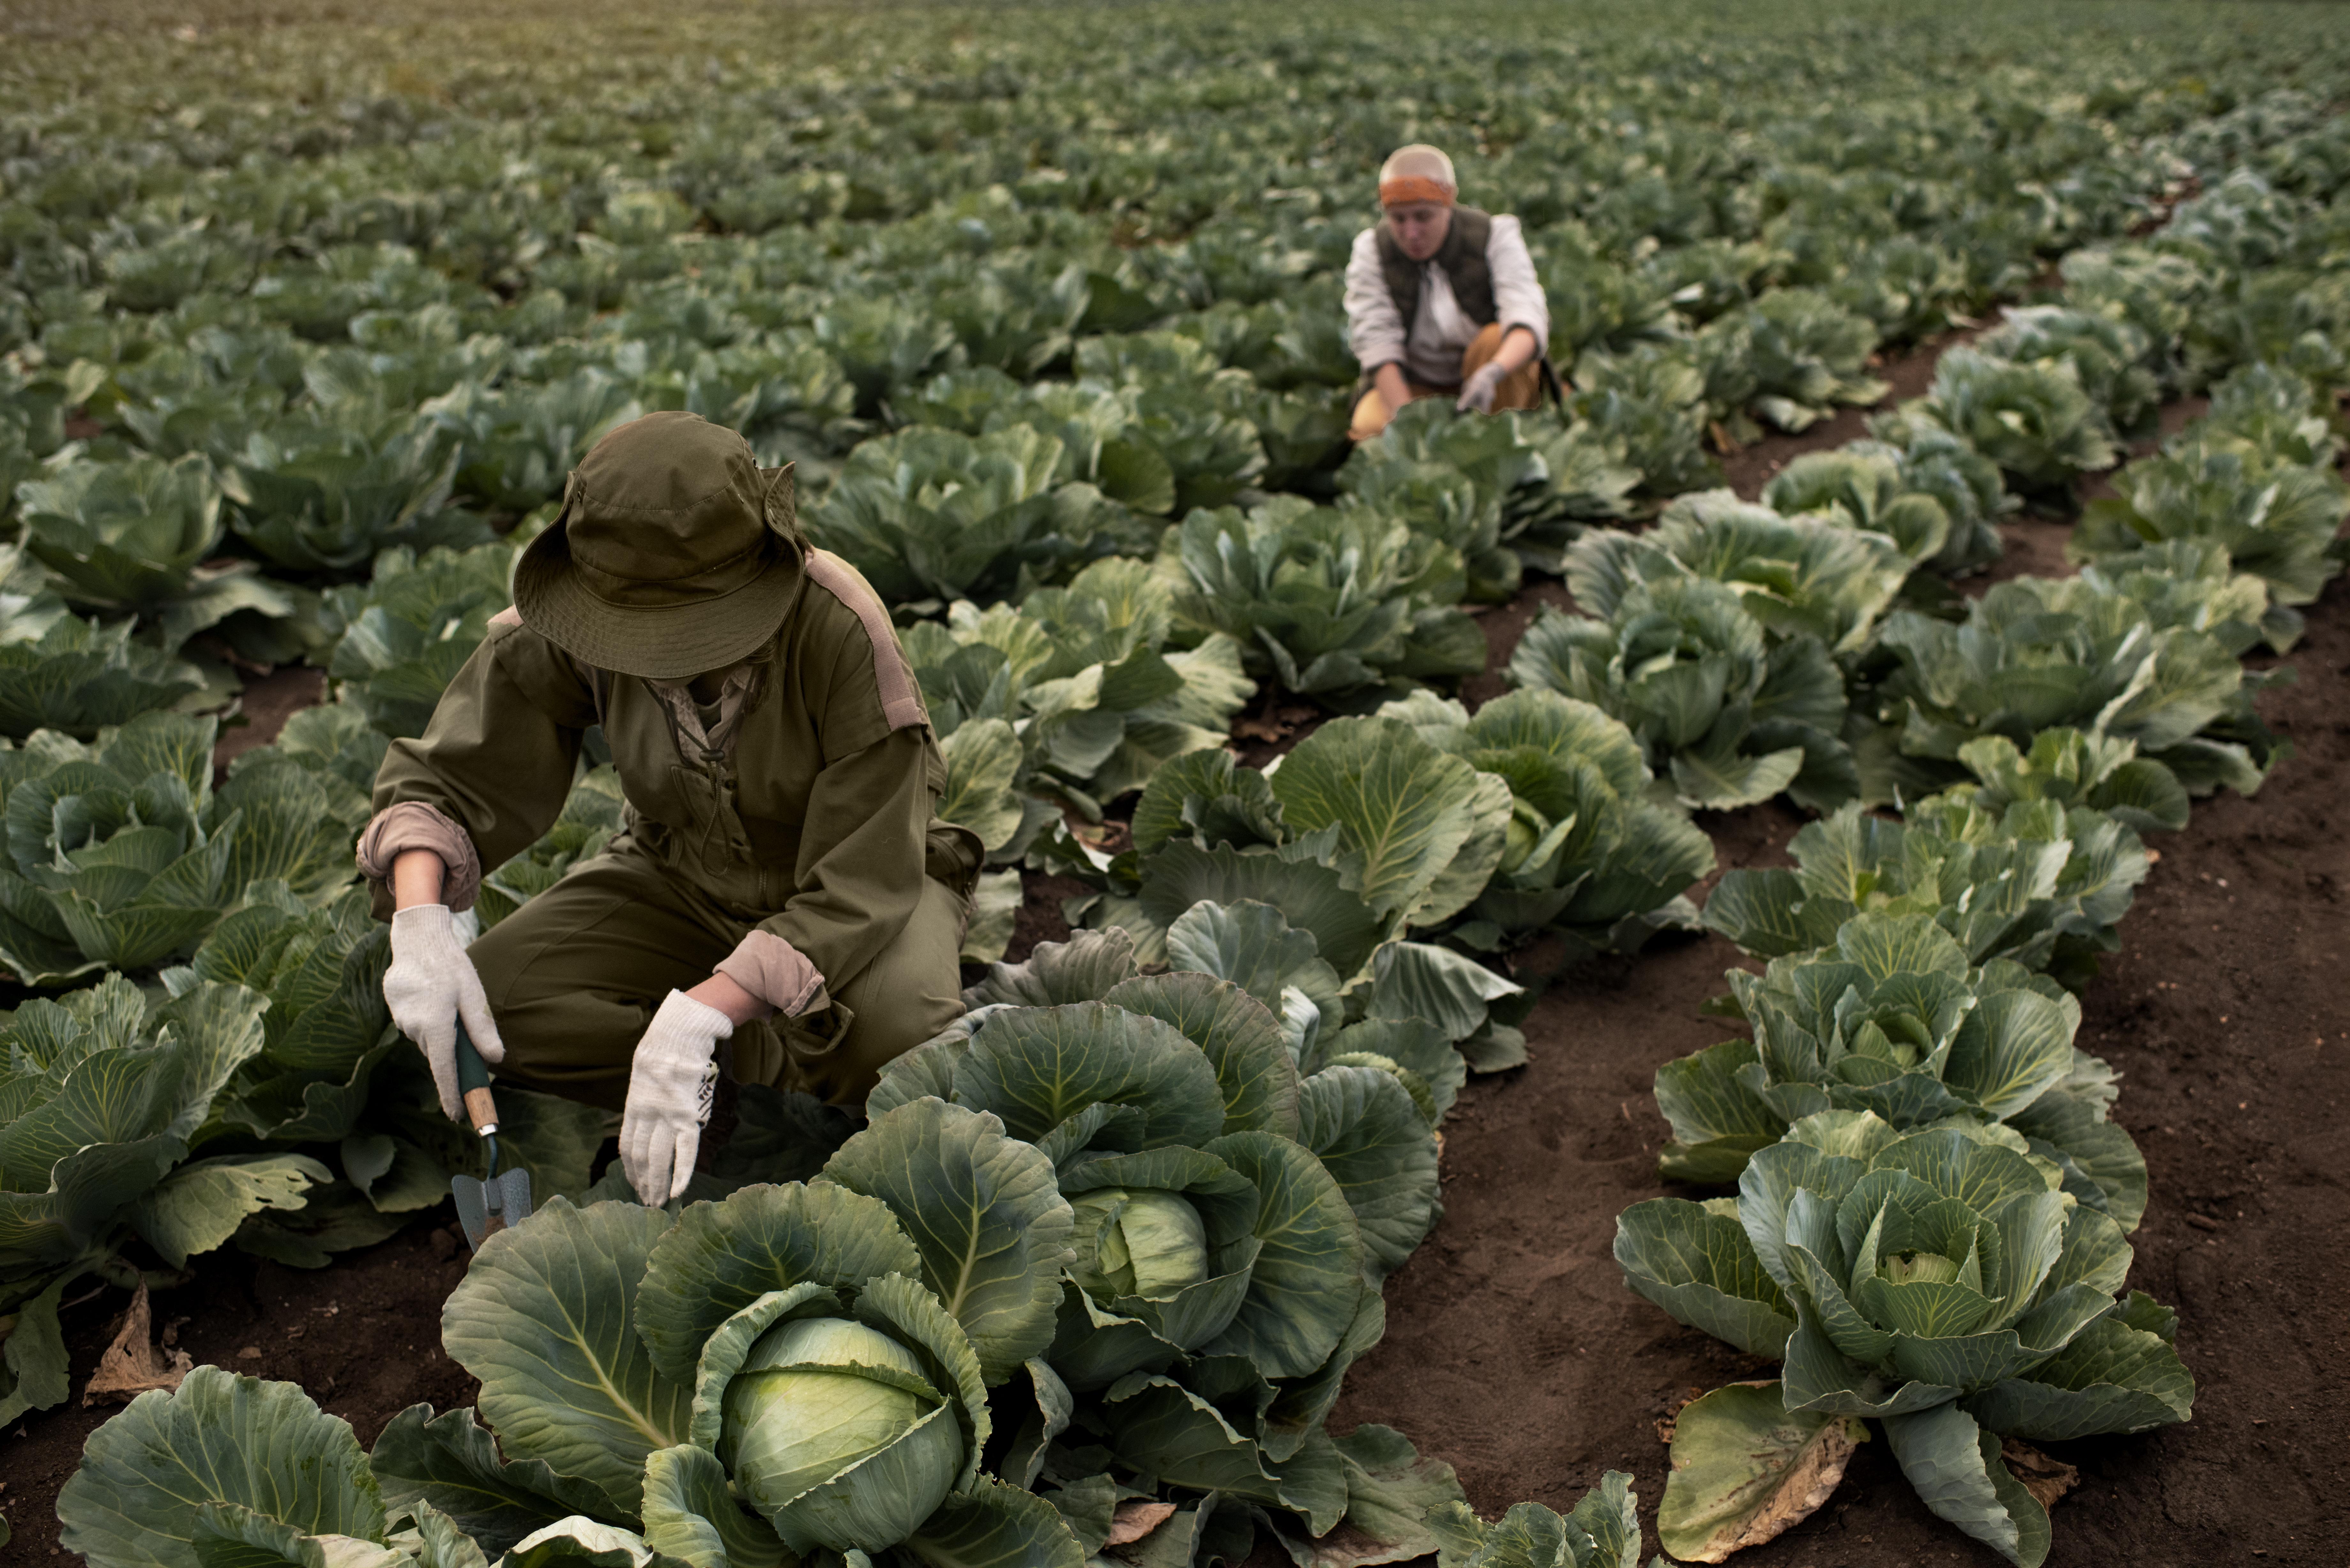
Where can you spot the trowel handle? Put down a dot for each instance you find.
(473, 1084)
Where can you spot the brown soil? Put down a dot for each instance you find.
(264, 705)
(1749, 468)
(363, 1336)
(1502, 626)
(1514, 1350)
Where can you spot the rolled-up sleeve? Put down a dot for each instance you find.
(410, 825)
(1518, 297)
(1373, 326)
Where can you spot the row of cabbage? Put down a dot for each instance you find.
(1932, 1205)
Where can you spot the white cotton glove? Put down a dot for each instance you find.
(1477, 395)
(669, 1091)
(429, 985)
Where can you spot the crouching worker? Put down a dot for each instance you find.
(781, 883)
(1442, 301)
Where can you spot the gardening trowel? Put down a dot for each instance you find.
(492, 1202)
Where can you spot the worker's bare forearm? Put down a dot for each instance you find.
(416, 879)
(1389, 380)
(1518, 349)
(727, 994)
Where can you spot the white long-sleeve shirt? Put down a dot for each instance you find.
(1430, 351)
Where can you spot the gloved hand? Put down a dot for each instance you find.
(670, 1090)
(1477, 394)
(429, 985)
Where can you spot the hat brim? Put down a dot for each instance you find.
(653, 642)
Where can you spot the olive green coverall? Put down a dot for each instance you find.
(796, 809)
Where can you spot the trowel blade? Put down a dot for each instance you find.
(472, 1208)
(511, 1196)
(485, 1207)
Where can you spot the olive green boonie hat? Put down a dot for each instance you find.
(674, 553)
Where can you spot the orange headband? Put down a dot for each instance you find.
(1412, 188)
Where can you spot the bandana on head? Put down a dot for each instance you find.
(1417, 173)
(1395, 192)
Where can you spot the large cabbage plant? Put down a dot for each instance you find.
(2137, 658)
(934, 515)
(121, 854)
(2278, 519)
(1891, 1019)
(511, 447)
(1506, 490)
(1097, 425)
(1324, 599)
(1363, 831)
(1733, 715)
(1247, 993)
(399, 638)
(1188, 413)
(1941, 1282)
(2069, 768)
(1086, 679)
(787, 397)
(1589, 854)
(1792, 356)
(1938, 498)
(2277, 414)
(76, 677)
(2107, 355)
(2016, 877)
(115, 855)
(1305, 887)
(325, 490)
(1800, 576)
(2034, 419)
(138, 537)
(107, 1096)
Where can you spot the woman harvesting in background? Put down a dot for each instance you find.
(1441, 300)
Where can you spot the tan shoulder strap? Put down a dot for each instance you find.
(901, 696)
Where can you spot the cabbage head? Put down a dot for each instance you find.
(775, 1373)
(2034, 419)
(1323, 598)
(2276, 518)
(1938, 498)
(123, 536)
(835, 1435)
(1799, 576)
(1586, 852)
(2147, 659)
(78, 677)
(1143, 1243)
(1166, 1236)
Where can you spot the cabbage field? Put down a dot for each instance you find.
(1642, 980)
